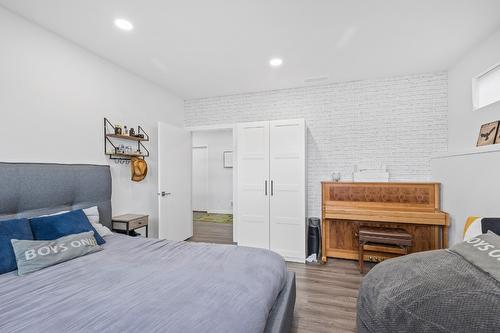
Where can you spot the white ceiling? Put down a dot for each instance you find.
(199, 48)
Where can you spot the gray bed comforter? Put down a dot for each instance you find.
(434, 291)
(138, 285)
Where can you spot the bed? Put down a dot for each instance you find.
(455, 290)
(134, 284)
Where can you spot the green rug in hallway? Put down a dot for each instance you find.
(214, 218)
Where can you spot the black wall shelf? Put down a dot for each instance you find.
(112, 150)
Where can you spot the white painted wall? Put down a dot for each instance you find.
(469, 187)
(53, 98)
(220, 179)
(464, 123)
(199, 178)
(469, 174)
(399, 121)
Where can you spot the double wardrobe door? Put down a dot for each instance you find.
(271, 186)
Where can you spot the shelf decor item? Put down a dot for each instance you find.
(121, 152)
(336, 176)
(487, 134)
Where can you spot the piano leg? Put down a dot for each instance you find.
(444, 237)
(361, 257)
(324, 239)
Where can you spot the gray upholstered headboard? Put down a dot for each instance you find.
(33, 189)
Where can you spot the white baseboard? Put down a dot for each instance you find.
(295, 259)
(292, 256)
(216, 211)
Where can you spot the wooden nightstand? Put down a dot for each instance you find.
(128, 222)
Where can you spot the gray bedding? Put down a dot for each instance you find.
(138, 285)
(434, 291)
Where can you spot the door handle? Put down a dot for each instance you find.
(272, 187)
(265, 187)
(164, 194)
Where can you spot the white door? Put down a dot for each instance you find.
(253, 184)
(287, 188)
(175, 220)
(200, 178)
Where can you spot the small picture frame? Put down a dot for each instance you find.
(497, 138)
(227, 159)
(488, 134)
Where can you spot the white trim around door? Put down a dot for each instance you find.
(235, 166)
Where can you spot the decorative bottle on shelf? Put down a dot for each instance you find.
(336, 176)
(125, 130)
(131, 132)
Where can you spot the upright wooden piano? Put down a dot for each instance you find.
(414, 207)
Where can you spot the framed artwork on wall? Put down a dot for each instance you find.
(488, 134)
(227, 159)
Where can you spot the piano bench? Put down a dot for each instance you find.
(390, 240)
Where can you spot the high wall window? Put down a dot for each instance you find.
(486, 87)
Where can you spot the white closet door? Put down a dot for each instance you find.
(253, 175)
(287, 200)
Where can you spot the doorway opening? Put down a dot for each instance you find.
(212, 185)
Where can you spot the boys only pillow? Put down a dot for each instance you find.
(483, 252)
(34, 255)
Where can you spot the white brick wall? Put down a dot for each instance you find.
(398, 121)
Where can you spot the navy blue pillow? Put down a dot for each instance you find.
(12, 229)
(490, 224)
(57, 226)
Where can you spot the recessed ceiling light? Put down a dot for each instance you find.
(124, 24)
(276, 62)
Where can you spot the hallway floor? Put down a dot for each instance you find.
(209, 232)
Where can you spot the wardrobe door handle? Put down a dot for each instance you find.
(272, 187)
(265, 187)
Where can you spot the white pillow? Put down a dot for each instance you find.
(53, 214)
(93, 216)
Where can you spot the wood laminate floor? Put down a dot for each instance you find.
(326, 294)
(208, 232)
